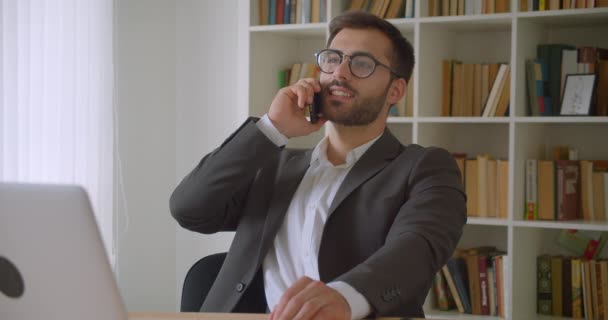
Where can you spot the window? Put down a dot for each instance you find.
(56, 97)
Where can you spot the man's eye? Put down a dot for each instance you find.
(364, 64)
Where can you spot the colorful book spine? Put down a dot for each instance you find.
(531, 190)
(543, 264)
(577, 292)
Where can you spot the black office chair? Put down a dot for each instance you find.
(200, 278)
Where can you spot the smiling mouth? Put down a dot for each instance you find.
(340, 93)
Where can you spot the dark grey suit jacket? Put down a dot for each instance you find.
(395, 220)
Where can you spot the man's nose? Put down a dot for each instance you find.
(343, 70)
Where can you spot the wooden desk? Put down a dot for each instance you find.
(208, 316)
(195, 316)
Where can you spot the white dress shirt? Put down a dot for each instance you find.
(295, 249)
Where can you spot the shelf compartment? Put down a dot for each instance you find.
(537, 140)
(456, 40)
(554, 29)
(269, 54)
(490, 138)
(529, 243)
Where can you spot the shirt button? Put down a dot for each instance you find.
(240, 286)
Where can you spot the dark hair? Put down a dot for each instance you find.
(402, 59)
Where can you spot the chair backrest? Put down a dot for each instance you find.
(198, 281)
(202, 275)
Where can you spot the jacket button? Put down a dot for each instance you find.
(240, 286)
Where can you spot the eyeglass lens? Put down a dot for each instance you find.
(360, 65)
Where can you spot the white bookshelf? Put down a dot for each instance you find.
(507, 37)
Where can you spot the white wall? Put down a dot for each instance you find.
(176, 78)
(145, 97)
(206, 104)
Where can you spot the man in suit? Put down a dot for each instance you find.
(356, 226)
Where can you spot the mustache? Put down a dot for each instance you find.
(340, 84)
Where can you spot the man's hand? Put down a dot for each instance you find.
(310, 299)
(288, 109)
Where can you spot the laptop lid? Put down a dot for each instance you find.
(53, 261)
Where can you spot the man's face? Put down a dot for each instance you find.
(348, 100)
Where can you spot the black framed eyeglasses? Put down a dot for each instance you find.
(361, 65)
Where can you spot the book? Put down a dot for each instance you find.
(484, 285)
(500, 290)
(593, 281)
(543, 287)
(489, 108)
(472, 263)
(440, 288)
(583, 243)
(604, 284)
(586, 288)
(458, 270)
(492, 288)
(586, 172)
(446, 101)
(502, 188)
(598, 196)
(505, 96)
(602, 88)
(470, 183)
(546, 190)
(556, 286)
(567, 189)
(492, 189)
(457, 100)
(567, 287)
(453, 289)
(577, 294)
(551, 54)
(599, 291)
(531, 190)
(482, 185)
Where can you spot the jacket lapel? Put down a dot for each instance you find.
(376, 158)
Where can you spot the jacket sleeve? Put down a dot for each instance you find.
(421, 239)
(211, 197)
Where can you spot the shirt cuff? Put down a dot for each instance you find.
(359, 306)
(271, 132)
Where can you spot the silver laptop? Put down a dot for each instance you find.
(52, 261)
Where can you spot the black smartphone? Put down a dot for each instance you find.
(315, 108)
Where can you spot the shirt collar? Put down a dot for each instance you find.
(319, 154)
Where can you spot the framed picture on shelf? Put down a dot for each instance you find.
(578, 91)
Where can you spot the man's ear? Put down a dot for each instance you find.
(396, 91)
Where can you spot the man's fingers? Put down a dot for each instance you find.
(295, 289)
(309, 309)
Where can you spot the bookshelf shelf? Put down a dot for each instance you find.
(571, 17)
(487, 221)
(490, 38)
(561, 120)
(400, 120)
(463, 120)
(303, 29)
(489, 22)
(575, 224)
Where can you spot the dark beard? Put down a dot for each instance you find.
(362, 113)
